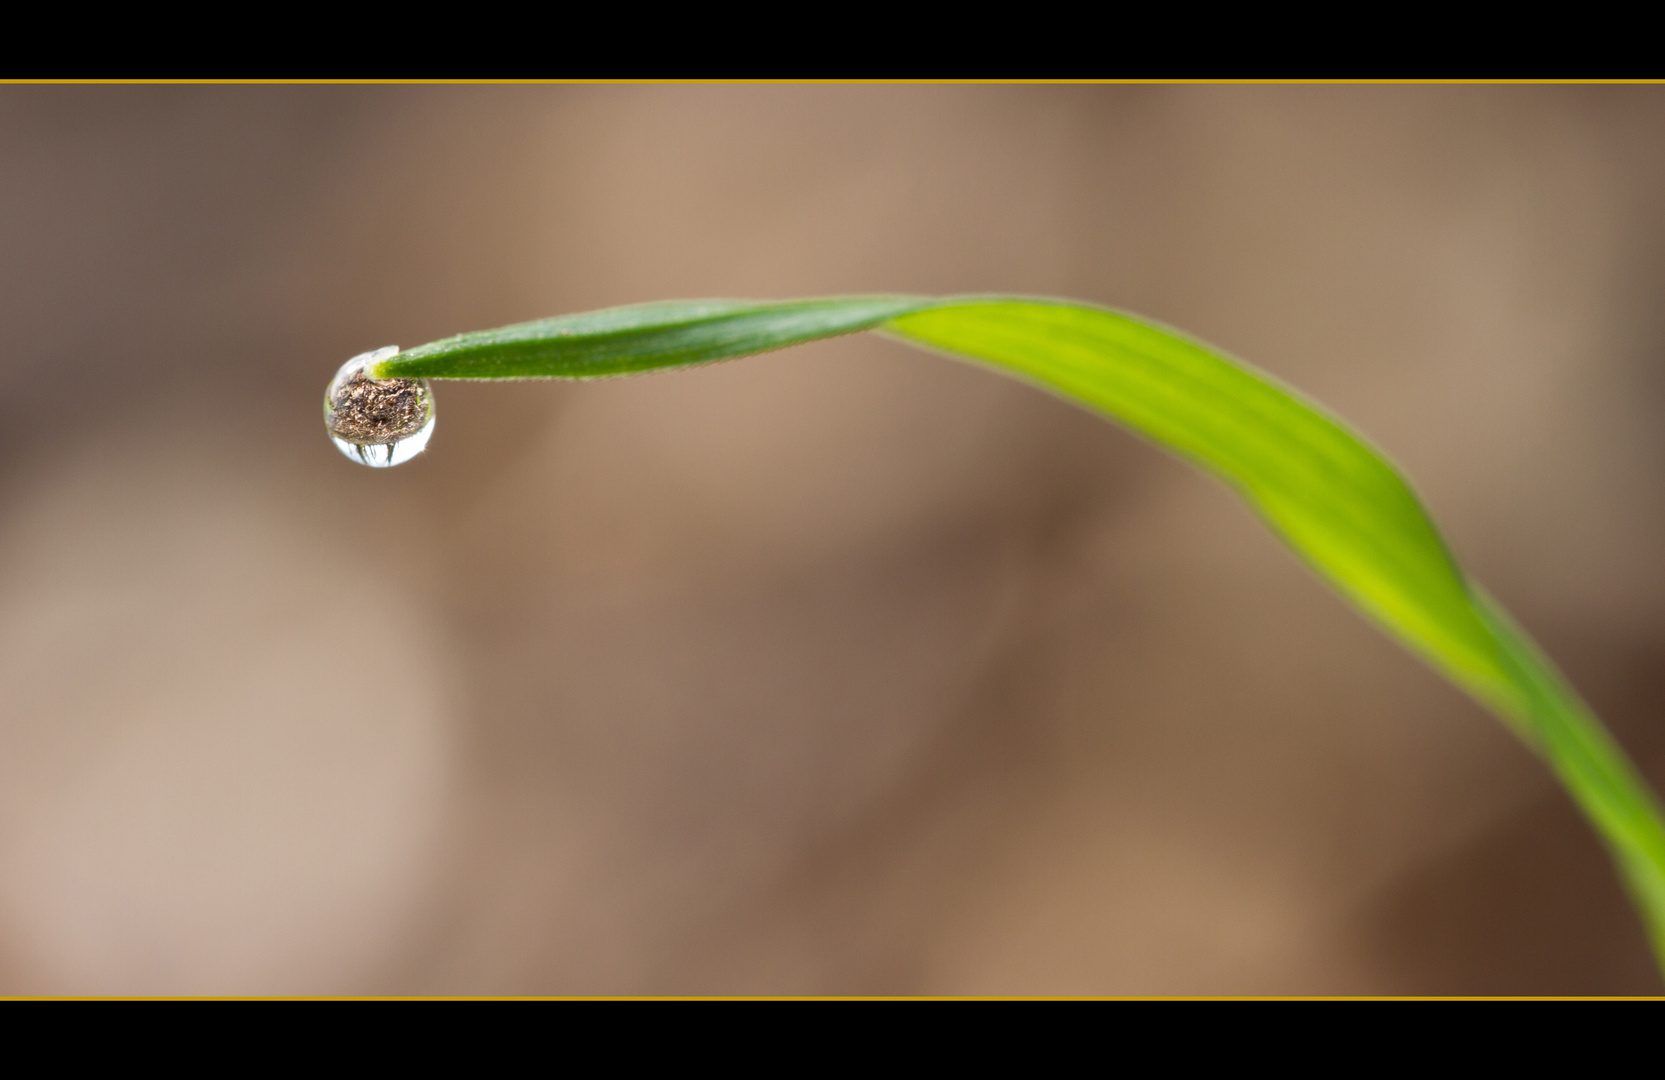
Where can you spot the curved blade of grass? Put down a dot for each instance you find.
(1330, 495)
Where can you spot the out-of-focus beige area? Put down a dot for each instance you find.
(848, 669)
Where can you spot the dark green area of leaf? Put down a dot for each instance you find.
(642, 337)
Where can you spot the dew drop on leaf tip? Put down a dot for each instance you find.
(377, 422)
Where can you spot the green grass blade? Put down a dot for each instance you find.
(642, 337)
(1333, 498)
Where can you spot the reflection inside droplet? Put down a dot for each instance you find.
(378, 422)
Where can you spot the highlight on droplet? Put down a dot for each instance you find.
(378, 422)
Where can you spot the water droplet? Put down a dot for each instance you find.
(378, 422)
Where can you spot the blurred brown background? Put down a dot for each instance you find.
(842, 670)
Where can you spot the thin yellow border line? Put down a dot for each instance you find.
(830, 82)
